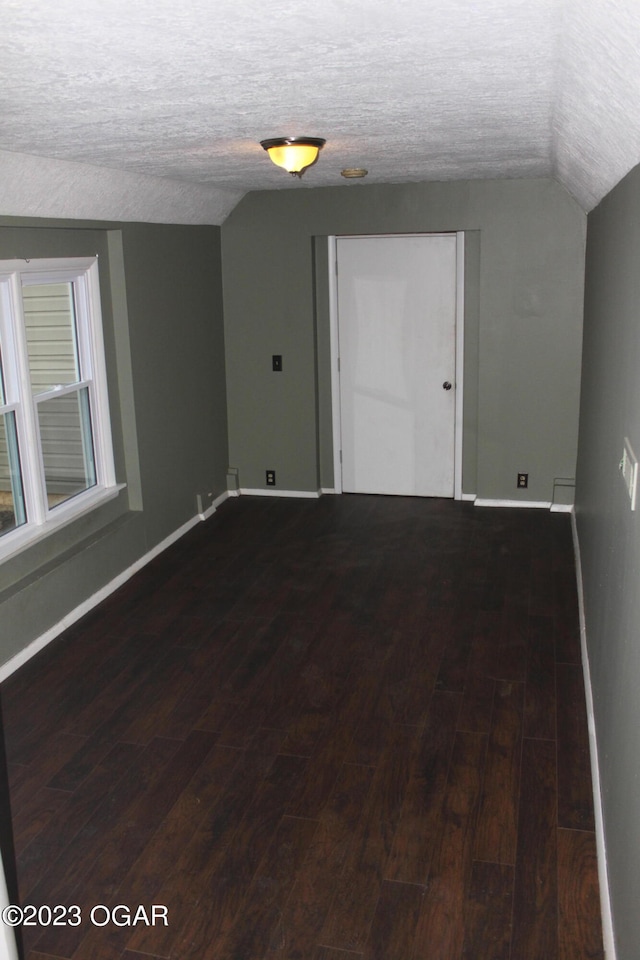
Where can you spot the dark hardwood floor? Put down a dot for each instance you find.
(317, 730)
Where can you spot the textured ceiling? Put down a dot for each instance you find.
(410, 89)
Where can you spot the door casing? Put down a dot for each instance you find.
(335, 366)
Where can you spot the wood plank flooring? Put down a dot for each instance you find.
(345, 729)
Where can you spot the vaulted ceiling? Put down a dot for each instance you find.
(409, 89)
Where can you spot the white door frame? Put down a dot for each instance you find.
(335, 359)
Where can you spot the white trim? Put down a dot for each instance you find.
(334, 343)
(540, 504)
(327, 490)
(459, 362)
(395, 236)
(100, 416)
(335, 349)
(82, 275)
(20, 658)
(261, 492)
(605, 897)
(209, 512)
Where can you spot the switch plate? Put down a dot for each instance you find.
(276, 362)
(629, 470)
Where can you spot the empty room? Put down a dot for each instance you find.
(319, 415)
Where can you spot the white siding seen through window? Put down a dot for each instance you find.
(56, 458)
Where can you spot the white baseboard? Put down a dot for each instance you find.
(6, 669)
(539, 504)
(470, 497)
(261, 492)
(605, 898)
(209, 512)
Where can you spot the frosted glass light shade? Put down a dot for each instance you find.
(294, 154)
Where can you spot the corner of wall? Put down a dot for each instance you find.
(603, 877)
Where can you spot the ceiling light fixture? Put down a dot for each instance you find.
(354, 173)
(295, 154)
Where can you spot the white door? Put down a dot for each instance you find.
(397, 345)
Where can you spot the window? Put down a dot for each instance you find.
(56, 458)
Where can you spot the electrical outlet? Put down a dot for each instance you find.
(271, 478)
(523, 481)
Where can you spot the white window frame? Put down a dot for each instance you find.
(83, 273)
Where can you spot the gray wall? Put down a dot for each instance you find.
(524, 283)
(162, 307)
(609, 534)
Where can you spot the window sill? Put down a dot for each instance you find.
(20, 539)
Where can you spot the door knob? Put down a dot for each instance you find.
(446, 385)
